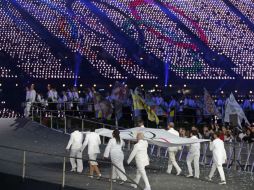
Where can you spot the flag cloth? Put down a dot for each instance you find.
(158, 109)
(119, 95)
(139, 104)
(210, 106)
(158, 137)
(232, 107)
(102, 107)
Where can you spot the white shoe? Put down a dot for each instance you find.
(73, 170)
(90, 176)
(168, 172)
(189, 176)
(179, 172)
(147, 188)
(134, 186)
(223, 183)
(196, 177)
(99, 177)
(208, 178)
(121, 182)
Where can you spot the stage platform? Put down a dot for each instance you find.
(25, 134)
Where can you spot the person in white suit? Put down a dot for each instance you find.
(30, 99)
(172, 152)
(114, 149)
(219, 157)
(139, 152)
(193, 155)
(75, 145)
(93, 142)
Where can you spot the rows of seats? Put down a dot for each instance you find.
(161, 29)
(25, 46)
(246, 7)
(227, 34)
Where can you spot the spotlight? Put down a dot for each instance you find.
(110, 85)
(142, 85)
(17, 84)
(250, 91)
(184, 85)
(81, 85)
(222, 92)
(63, 85)
(235, 91)
(94, 85)
(156, 85)
(170, 85)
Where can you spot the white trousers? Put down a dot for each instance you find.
(220, 170)
(172, 162)
(190, 158)
(76, 160)
(141, 172)
(117, 160)
(27, 109)
(118, 174)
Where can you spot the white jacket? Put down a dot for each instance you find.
(76, 140)
(140, 153)
(32, 96)
(173, 132)
(113, 148)
(194, 148)
(219, 152)
(93, 141)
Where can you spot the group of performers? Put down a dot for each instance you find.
(114, 150)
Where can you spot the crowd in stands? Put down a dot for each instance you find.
(82, 102)
(140, 22)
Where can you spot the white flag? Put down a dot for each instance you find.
(158, 137)
(232, 107)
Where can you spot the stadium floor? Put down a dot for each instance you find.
(24, 134)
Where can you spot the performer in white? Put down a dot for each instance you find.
(93, 142)
(142, 160)
(114, 149)
(193, 154)
(30, 99)
(219, 157)
(172, 152)
(75, 145)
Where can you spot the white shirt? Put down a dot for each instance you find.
(173, 132)
(55, 95)
(76, 140)
(176, 133)
(113, 147)
(32, 95)
(195, 147)
(50, 94)
(93, 141)
(219, 152)
(140, 153)
(27, 95)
